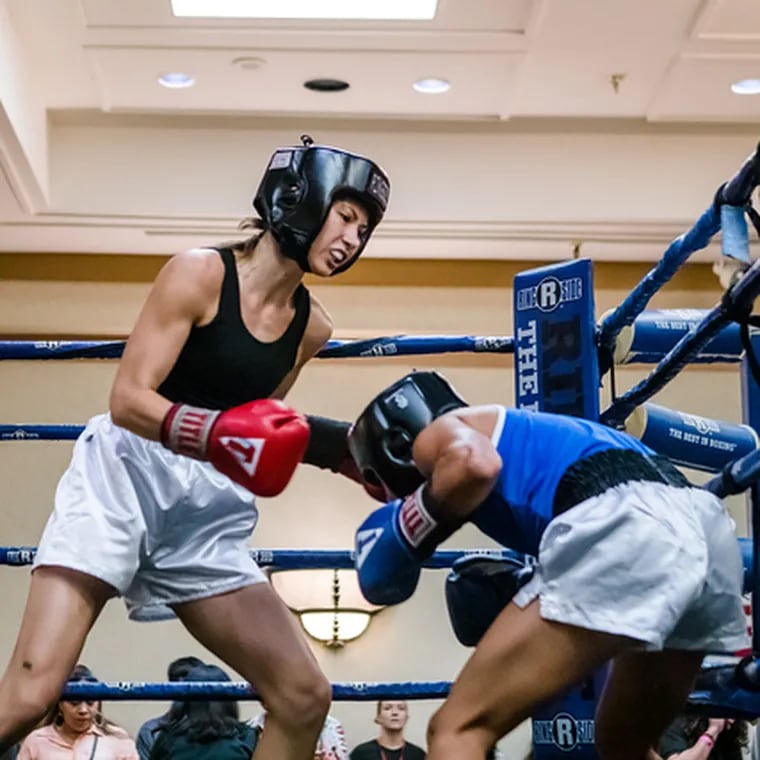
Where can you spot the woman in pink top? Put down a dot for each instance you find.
(78, 731)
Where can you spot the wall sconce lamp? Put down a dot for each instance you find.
(328, 603)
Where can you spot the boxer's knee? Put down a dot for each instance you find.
(23, 703)
(302, 702)
(450, 736)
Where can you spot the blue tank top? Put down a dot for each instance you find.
(536, 449)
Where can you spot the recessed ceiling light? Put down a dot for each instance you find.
(746, 87)
(248, 62)
(405, 10)
(176, 80)
(431, 86)
(326, 85)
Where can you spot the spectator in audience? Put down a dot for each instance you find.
(78, 729)
(332, 739)
(204, 730)
(146, 736)
(390, 744)
(691, 737)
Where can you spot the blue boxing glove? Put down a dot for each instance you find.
(478, 588)
(391, 545)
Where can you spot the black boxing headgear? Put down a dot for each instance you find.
(381, 439)
(301, 183)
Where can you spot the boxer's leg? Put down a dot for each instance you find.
(520, 662)
(643, 693)
(61, 608)
(254, 633)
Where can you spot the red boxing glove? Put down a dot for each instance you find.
(258, 444)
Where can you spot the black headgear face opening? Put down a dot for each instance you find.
(381, 439)
(302, 182)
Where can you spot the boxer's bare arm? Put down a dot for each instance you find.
(460, 463)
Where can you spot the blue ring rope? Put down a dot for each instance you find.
(24, 432)
(295, 559)
(678, 252)
(238, 690)
(736, 192)
(399, 345)
(702, 333)
(726, 700)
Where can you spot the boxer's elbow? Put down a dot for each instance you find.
(473, 463)
(126, 406)
(121, 405)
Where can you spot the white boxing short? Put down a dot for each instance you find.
(160, 528)
(647, 560)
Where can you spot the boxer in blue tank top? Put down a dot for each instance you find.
(634, 564)
(536, 452)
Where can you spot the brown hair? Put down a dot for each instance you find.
(54, 717)
(247, 245)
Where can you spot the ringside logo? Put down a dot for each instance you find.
(19, 435)
(281, 159)
(399, 399)
(703, 425)
(379, 188)
(550, 293)
(380, 349)
(563, 731)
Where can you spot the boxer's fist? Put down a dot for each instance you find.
(386, 565)
(258, 444)
(328, 449)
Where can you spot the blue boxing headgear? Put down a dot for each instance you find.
(301, 183)
(381, 439)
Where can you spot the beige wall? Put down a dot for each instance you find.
(409, 642)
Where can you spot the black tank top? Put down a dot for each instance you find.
(222, 365)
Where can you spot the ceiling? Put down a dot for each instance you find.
(73, 71)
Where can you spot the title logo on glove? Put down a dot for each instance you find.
(414, 520)
(247, 451)
(365, 542)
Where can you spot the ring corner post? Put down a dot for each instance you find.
(556, 361)
(751, 417)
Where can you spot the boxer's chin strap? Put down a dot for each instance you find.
(422, 522)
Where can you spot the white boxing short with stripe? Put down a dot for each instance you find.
(648, 560)
(160, 528)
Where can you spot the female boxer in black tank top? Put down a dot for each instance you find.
(219, 327)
